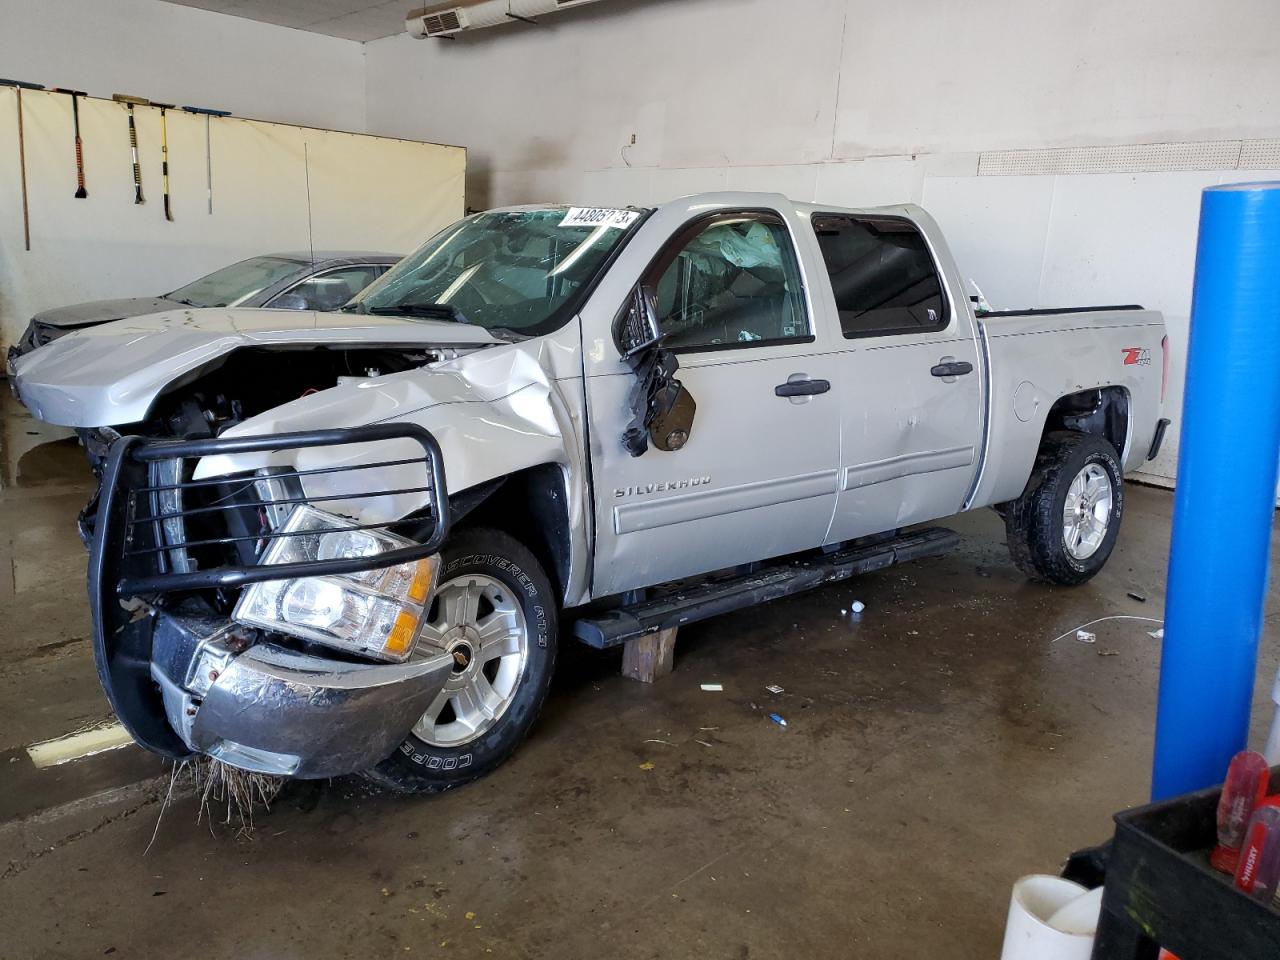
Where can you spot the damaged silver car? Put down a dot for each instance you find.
(355, 546)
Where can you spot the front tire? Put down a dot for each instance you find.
(495, 611)
(1064, 526)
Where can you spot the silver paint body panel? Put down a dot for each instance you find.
(887, 446)
(1060, 355)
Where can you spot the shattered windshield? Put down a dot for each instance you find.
(521, 271)
(231, 286)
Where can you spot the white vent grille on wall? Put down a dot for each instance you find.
(1126, 158)
(1260, 155)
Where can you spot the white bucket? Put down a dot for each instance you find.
(1028, 934)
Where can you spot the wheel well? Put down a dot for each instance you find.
(532, 506)
(1103, 411)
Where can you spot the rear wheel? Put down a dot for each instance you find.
(1064, 526)
(495, 613)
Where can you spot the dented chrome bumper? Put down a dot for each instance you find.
(181, 676)
(273, 710)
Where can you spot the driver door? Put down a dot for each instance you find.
(757, 476)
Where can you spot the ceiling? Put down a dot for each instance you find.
(350, 19)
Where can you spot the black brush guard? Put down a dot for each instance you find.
(128, 550)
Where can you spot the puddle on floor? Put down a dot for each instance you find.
(35, 454)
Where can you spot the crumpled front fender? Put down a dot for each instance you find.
(492, 417)
(494, 413)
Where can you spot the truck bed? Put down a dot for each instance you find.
(1037, 356)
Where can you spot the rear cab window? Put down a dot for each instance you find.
(883, 275)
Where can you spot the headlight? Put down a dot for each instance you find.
(374, 612)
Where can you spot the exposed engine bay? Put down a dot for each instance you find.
(253, 380)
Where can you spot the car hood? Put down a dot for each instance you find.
(101, 311)
(110, 374)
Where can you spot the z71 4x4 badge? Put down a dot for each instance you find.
(1138, 355)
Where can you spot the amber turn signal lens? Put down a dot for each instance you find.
(424, 578)
(403, 633)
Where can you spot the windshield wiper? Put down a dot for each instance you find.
(430, 311)
(351, 308)
(187, 302)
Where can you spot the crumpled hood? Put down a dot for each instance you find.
(109, 375)
(101, 311)
(516, 425)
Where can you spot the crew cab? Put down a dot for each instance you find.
(356, 547)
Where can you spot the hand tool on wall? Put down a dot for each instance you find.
(208, 145)
(131, 102)
(81, 192)
(164, 155)
(22, 154)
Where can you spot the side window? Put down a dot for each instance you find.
(730, 282)
(333, 288)
(882, 274)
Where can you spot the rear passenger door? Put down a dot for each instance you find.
(912, 389)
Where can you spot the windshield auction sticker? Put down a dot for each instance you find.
(599, 217)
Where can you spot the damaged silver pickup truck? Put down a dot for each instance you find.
(355, 547)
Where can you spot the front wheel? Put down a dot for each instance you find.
(1064, 526)
(495, 613)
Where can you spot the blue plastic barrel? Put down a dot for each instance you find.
(1226, 491)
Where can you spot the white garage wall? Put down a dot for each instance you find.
(308, 86)
(186, 56)
(740, 83)
(276, 187)
(862, 103)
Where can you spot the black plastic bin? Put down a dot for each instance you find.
(1161, 891)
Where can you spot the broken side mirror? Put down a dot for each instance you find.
(637, 327)
(673, 411)
(662, 410)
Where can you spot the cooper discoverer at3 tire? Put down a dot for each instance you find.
(496, 613)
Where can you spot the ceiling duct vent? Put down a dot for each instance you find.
(448, 22)
(435, 22)
(447, 19)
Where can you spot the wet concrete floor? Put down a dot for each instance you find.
(938, 746)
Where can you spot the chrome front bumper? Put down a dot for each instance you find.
(272, 710)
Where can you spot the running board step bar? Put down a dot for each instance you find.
(613, 627)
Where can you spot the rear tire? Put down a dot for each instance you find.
(1064, 526)
(495, 610)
